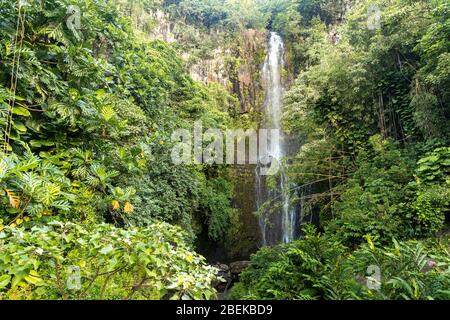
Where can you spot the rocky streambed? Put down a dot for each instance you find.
(229, 273)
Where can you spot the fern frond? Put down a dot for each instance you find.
(108, 112)
(48, 193)
(14, 200)
(31, 181)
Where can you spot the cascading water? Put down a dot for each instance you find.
(280, 224)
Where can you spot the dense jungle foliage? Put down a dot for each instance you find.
(87, 184)
(373, 110)
(89, 143)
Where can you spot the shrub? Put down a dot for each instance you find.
(318, 267)
(300, 270)
(113, 263)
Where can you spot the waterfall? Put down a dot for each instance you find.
(271, 73)
(279, 225)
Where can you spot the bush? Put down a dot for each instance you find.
(430, 207)
(296, 271)
(375, 200)
(318, 267)
(433, 190)
(409, 270)
(113, 263)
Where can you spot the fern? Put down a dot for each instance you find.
(14, 200)
(31, 181)
(107, 112)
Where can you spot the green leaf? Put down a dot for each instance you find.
(19, 126)
(40, 143)
(18, 277)
(4, 280)
(21, 111)
(107, 249)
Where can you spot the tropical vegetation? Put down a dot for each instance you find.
(92, 207)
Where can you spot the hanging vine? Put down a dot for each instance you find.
(16, 48)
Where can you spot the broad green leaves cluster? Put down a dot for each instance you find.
(318, 267)
(365, 101)
(98, 107)
(31, 188)
(433, 190)
(435, 166)
(90, 144)
(110, 263)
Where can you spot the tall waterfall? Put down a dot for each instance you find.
(278, 219)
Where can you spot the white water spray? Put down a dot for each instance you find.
(272, 76)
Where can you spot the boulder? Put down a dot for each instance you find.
(225, 274)
(238, 266)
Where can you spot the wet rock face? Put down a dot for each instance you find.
(245, 239)
(211, 70)
(238, 267)
(233, 64)
(252, 52)
(226, 276)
